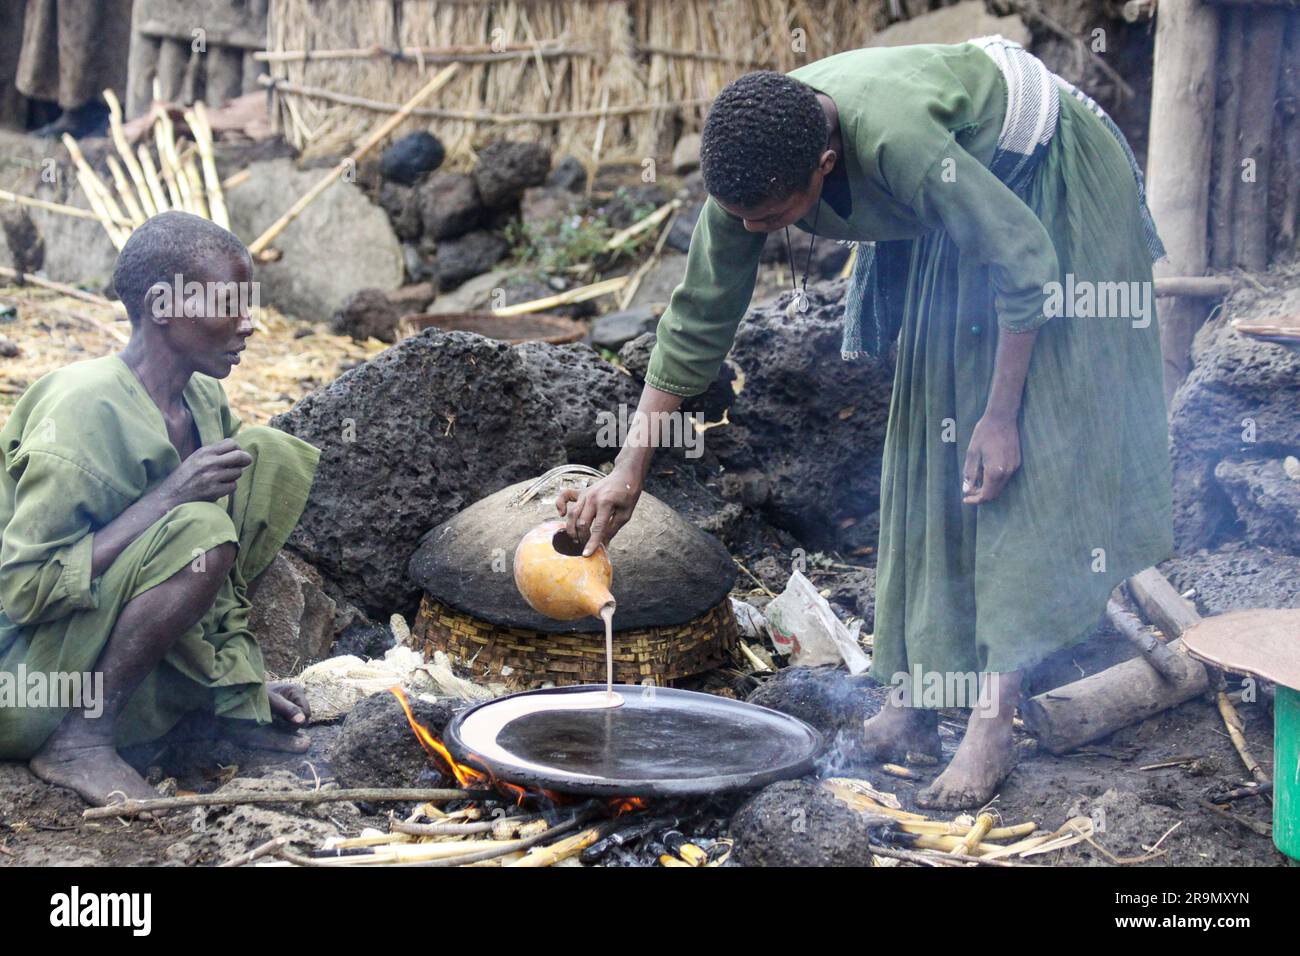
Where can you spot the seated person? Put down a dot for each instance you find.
(134, 512)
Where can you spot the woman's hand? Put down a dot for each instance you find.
(991, 459)
(596, 514)
(209, 474)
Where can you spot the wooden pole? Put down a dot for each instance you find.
(1261, 63)
(1178, 162)
(1227, 137)
(259, 245)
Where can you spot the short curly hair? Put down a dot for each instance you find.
(762, 139)
(168, 244)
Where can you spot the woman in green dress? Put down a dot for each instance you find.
(1025, 469)
(134, 514)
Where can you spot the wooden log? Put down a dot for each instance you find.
(1196, 287)
(1091, 708)
(1178, 163)
(1227, 138)
(1261, 64)
(1144, 639)
(1289, 97)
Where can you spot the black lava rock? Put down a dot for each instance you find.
(505, 169)
(412, 157)
(378, 748)
(798, 823)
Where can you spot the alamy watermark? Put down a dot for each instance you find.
(193, 299)
(1087, 299)
(68, 690)
(654, 430)
(934, 689)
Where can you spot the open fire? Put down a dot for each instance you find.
(623, 830)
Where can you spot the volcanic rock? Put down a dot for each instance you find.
(828, 699)
(378, 748)
(411, 157)
(807, 428)
(402, 203)
(798, 823)
(583, 390)
(367, 313)
(505, 169)
(1267, 501)
(449, 205)
(407, 440)
(467, 256)
(569, 174)
(1236, 577)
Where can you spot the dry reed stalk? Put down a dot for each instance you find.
(125, 192)
(133, 167)
(61, 208)
(160, 198)
(202, 129)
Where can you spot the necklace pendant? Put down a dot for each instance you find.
(797, 304)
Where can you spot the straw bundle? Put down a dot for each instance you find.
(601, 79)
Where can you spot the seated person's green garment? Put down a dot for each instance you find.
(83, 444)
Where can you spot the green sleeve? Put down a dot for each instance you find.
(991, 224)
(697, 330)
(45, 553)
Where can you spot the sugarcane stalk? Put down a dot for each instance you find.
(126, 193)
(152, 181)
(1235, 726)
(133, 166)
(132, 808)
(983, 824)
(203, 139)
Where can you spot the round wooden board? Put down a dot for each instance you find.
(1264, 642)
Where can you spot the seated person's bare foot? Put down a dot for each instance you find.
(982, 762)
(91, 768)
(896, 731)
(289, 709)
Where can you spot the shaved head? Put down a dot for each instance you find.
(170, 244)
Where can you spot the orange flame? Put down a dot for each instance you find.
(622, 805)
(465, 775)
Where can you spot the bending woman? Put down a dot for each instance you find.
(1025, 469)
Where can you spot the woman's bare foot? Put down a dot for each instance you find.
(896, 731)
(247, 734)
(92, 769)
(986, 754)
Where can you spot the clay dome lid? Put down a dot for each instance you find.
(666, 571)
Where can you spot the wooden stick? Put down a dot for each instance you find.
(923, 859)
(562, 850)
(429, 54)
(441, 829)
(508, 847)
(68, 290)
(58, 207)
(1196, 287)
(133, 808)
(1145, 639)
(270, 846)
(474, 116)
(1236, 726)
(649, 222)
(133, 166)
(580, 294)
(1263, 829)
(443, 77)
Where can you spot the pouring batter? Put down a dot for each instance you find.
(1025, 469)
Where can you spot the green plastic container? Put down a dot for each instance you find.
(1286, 771)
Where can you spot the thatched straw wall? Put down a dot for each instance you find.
(626, 77)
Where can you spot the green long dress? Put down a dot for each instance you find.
(83, 443)
(999, 586)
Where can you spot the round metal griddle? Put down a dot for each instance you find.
(666, 743)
